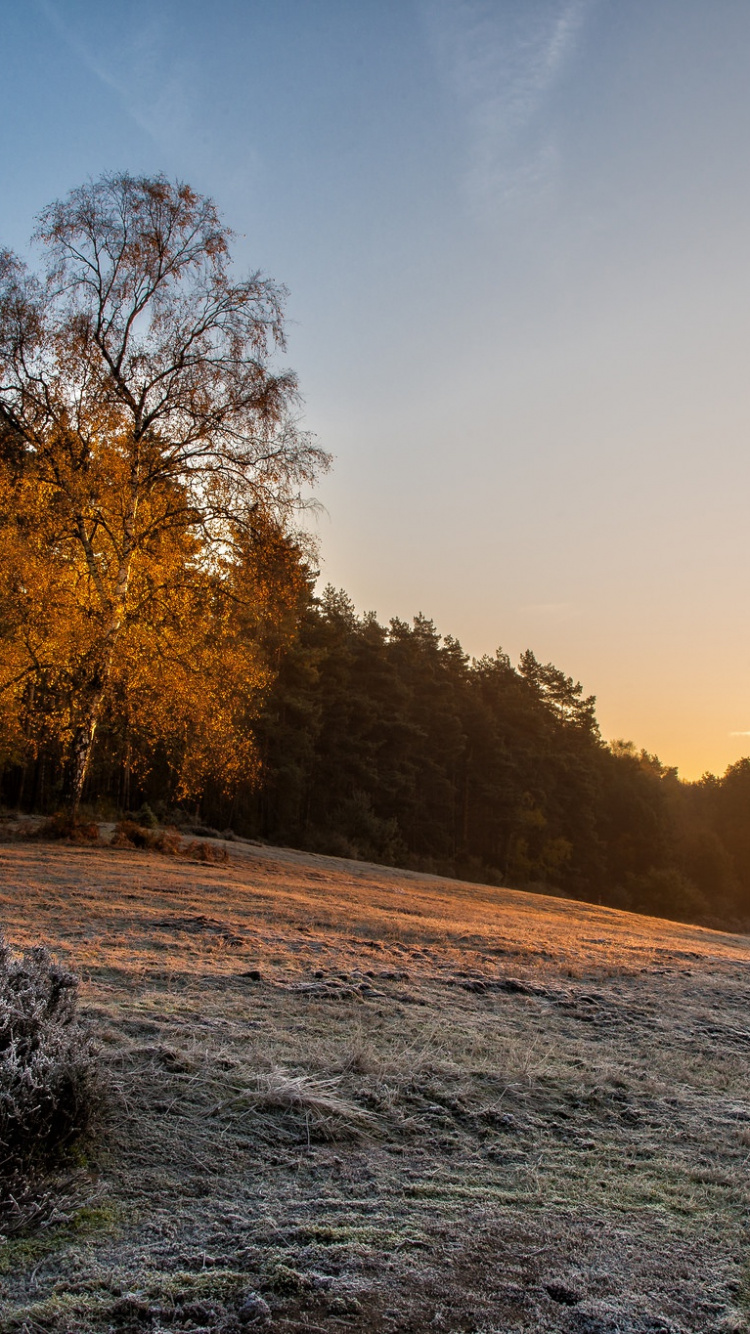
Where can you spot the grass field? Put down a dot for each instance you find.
(343, 1097)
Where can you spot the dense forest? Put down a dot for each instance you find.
(161, 644)
(388, 743)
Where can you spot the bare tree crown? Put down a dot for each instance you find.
(139, 333)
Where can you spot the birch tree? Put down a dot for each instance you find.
(140, 410)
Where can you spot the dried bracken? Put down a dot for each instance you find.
(201, 851)
(65, 825)
(133, 834)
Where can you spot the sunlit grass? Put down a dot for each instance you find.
(335, 1067)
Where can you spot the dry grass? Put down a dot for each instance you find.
(385, 1101)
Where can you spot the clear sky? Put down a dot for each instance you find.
(516, 235)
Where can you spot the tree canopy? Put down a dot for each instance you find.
(146, 440)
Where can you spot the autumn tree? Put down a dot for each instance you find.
(145, 439)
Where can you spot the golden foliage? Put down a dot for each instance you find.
(149, 464)
(193, 645)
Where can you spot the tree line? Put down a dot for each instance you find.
(390, 743)
(161, 642)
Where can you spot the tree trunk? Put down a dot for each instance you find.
(125, 797)
(83, 746)
(83, 739)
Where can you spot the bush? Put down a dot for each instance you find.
(129, 834)
(146, 817)
(48, 1075)
(65, 825)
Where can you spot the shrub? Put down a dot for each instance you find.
(129, 834)
(65, 825)
(48, 1075)
(204, 831)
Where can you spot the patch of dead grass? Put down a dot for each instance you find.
(389, 1101)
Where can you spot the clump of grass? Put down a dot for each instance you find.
(315, 1103)
(318, 1098)
(49, 1087)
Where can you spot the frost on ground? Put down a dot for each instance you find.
(348, 1098)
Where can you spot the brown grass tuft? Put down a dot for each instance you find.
(318, 1100)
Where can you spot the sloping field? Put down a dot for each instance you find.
(348, 1098)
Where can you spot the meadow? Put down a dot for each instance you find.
(341, 1097)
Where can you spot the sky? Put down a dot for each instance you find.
(516, 239)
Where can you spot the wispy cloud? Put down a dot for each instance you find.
(502, 60)
(139, 69)
(739, 733)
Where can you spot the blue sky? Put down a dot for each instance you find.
(515, 234)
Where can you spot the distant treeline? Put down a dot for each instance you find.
(388, 743)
